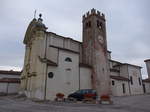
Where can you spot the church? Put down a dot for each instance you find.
(56, 64)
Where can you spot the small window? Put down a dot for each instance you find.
(88, 24)
(99, 24)
(50, 74)
(123, 87)
(139, 81)
(113, 82)
(68, 59)
(131, 79)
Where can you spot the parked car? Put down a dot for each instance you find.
(80, 94)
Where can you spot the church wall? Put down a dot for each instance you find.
(117, 88)
(36, 84)
(66, 75)
(36, 78)
(63, 42)
(74, 46)
(52, 54)
(85, 78)
(39, 80)
(33, 56)
(56, 41)
(135, 73)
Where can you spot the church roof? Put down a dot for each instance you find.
(146, 80)
(119, 78)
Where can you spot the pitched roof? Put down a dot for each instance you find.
(119, 78)
(10, 80)
(146, 80)
(11, 72)
(146, 60)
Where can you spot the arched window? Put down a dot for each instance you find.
(99, 24)
(68, 59)
(88, 24)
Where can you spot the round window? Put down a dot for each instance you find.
(50, 74)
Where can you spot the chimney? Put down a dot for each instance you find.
(148, 66)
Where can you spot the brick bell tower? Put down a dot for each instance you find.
(95, 50)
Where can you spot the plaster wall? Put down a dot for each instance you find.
(117, 89)
(66, 76)
(9, 88)
(135, 73)
(147, 87)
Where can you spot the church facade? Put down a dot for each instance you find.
(56, 64)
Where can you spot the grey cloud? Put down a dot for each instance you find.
(127, 25)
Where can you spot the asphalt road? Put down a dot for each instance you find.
(140, 103)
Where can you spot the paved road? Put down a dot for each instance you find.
(139, 103)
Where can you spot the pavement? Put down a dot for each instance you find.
(139, 103)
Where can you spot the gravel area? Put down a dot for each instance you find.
(140, 103)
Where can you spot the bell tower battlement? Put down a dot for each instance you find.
(95, 13)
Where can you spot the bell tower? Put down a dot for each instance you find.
(95, 50)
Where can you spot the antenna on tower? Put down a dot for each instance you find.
(35, 14)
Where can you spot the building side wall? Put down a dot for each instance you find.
(66, 76)
(117, 89)
(52, 54)
(33, 80)
(147, 87)
(62, 42)
(9, 88)
(135, 73)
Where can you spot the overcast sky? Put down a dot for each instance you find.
(128, 26)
